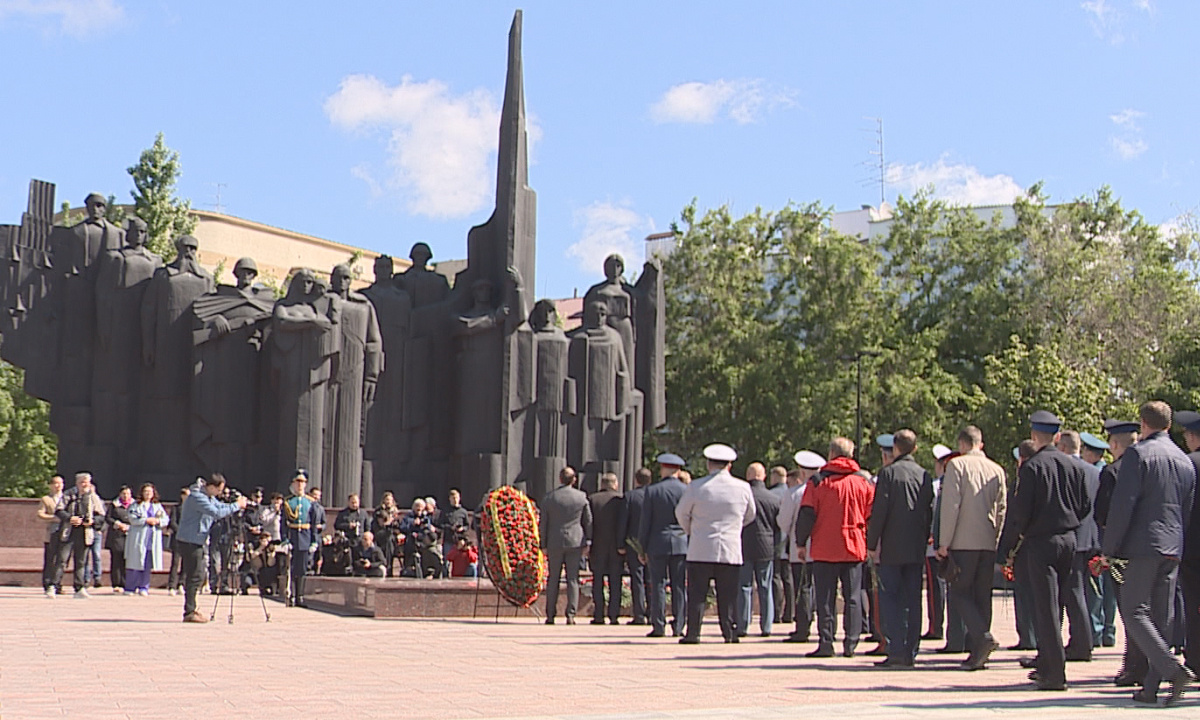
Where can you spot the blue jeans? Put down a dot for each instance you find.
(92, 566)
(900, 598)
(762, 574)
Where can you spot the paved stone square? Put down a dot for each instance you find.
(127, 657)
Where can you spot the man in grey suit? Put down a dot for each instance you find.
(664, 546)
(603, 557)
(565, 528)
(1151, 506)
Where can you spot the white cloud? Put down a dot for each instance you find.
(744, 101)
(440, 145)
(956, 183)
(1128, 143)
(609, 228)
(1109, 23)
(73, 17)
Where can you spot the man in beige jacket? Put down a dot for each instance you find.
(47, 513)
(973, 505)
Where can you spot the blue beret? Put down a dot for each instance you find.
(670, 459)
(1045, 421)
(1092, 441)
(886, 441)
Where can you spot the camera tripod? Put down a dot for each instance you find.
(233, 557)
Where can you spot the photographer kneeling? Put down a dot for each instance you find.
(200, 509)
(368, 557)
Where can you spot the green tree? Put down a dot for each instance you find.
(27, 447)
(167, 217)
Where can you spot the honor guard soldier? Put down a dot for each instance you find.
(299, 518)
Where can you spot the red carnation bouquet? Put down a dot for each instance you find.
(511, 546)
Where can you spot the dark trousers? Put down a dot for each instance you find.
(900, 606)
(826, 576)
(660, 568)
(1023, 610)
(1189, 578)
(802, 580)
(1046, 567)
(935, 598)
(783, 591)
(301, 558)
(76, 544)
(116, 568)
(1147, 605)
(1079, 618)
(174, 579)
(49, 561)
(971, 595)
(637, 587)
(568, 558)
(700, 575)
(872, 620)
(606, 570)
(192, 565)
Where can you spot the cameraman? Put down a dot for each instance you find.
(368, 558)
(353, 520)
(200, 509)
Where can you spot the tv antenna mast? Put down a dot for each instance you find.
(877, 165)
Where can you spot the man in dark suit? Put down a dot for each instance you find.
(565, 526)
(759, 542)
(1189, 569)
(664, 547)
(631, 518)
(1050, 500)
(1087, 544)
(897, 535)
(606, 541)
(1121, 436)
(1151, 506)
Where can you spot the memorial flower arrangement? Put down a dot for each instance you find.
(511, 546)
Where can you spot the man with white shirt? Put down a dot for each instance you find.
(712, 512)
(798, 481)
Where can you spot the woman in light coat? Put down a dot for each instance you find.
(143, 544)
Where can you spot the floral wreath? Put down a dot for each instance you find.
(511, 546)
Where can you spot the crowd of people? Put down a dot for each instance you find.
(1073, 535)
(237, 542)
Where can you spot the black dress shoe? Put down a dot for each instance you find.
(1051, 686)
(931, 636)
(1126, 680)
(1079, 658)
(656, 633)
(848, 653)
(820, 652)
(1028, 662)
(597, 621)
(1019, 646)
(950, 651)
(614, 621)
(885, 663)
(570, 621)
(549, 621)
(685, 640)
(1142, 696)
(1179, 684)
(637, 622)
(877, 651)
(796, 639)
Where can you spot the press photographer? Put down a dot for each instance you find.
(368, 558)
(200, 509)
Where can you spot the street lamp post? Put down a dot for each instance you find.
(856, 358)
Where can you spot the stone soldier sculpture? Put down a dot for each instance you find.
(304, 342)
(229, 330)
(603, 386)
(387, 450)
(351, 387)
(553, 401)
(428, 355)
(120, 291)
(167, 353)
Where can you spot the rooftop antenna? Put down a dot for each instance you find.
(218, 207)
(877, 165)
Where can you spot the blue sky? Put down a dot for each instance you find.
(375, 124)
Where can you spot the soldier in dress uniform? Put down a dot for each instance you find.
(299, 519)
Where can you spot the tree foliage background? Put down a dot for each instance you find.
(1081, 308)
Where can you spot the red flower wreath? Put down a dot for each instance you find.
(511, 546)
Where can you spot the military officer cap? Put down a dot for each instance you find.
(245, 264)
(301, 474)
(809, 460)
(886, 441)
(720, 453)
(1114, 427)
(1092, 441)
(940, 451)
(670, 459)
(1045, 421)
(1188, 419)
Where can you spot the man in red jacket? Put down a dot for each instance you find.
(834, 515)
